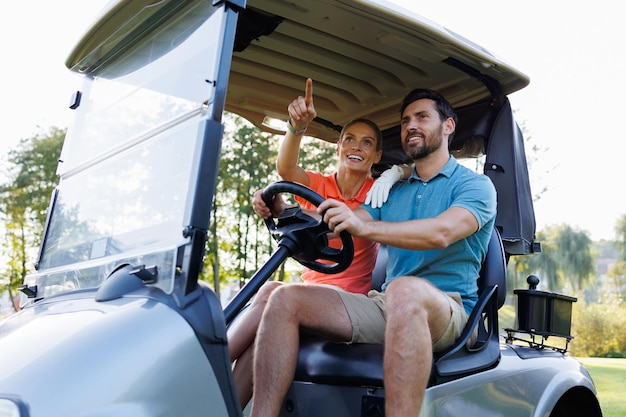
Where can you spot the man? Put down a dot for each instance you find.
(437, 226)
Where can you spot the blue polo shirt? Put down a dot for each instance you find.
(456, 268)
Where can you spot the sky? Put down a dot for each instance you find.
(572, 110)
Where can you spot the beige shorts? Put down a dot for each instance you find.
(368, 317)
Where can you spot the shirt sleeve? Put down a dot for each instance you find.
(374, 212)
(478, 196)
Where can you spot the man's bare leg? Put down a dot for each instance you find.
(417, 314)
(290, 307)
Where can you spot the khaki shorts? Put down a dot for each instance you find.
(368, 317)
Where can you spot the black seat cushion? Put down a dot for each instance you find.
(324, 362)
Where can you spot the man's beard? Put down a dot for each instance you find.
(431, 143)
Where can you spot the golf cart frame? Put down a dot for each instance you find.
(115, 320)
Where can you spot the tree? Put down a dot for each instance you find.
(566, 257)
(577, 261)
(620, 235)
(24, 200)
(616, 279)
(545, 263)
(238, 241)
(317, 155)
(246, 165)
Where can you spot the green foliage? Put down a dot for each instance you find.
(24, 199)
(566, 259)
(566, 264)
(575, 255)
(599, 330)
(506, 317)
(620, 235)
(317, 155)
(32, 175)
(239, 242)
(616, 283)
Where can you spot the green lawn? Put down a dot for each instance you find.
(609, 376)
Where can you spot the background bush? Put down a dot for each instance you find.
(599, 330)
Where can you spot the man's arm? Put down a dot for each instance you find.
(439, 232)
(434, 233)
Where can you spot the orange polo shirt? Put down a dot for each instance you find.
(357, 277)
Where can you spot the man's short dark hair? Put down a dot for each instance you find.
(444, 108)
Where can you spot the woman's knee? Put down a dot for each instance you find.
(298, 301)
(284, 298)
(265, 291)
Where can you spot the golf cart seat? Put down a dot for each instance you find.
(361, 364)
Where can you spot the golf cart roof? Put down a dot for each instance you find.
(363, 57)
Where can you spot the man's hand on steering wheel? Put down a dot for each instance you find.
(340, 218)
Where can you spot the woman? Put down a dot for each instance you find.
(358, 148)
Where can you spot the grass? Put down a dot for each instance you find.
(609, 377)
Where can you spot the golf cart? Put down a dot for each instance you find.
(115, 322)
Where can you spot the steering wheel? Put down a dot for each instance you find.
(306, 237)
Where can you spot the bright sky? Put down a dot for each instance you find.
(572, 51)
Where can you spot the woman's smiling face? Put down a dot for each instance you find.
(357, 148)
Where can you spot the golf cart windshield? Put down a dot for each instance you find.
(140, 120)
